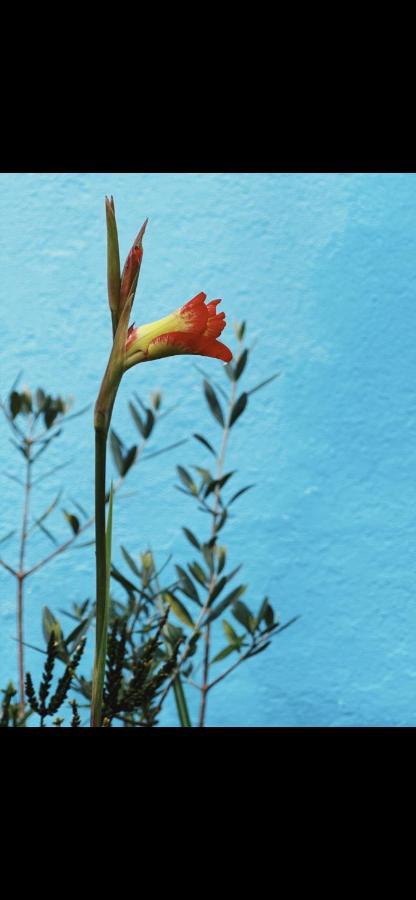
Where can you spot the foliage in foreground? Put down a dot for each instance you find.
(149, 655)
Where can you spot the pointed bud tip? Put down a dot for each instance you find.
(141, 233)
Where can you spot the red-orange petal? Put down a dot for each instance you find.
(186, 342)
(215, 323)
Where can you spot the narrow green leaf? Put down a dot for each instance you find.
(128, 585)
(137, 419)
(243, 615)
(181, 704)
(187, 585)
(231, 648)
(240, 329)
(113, 263)
(198, 573)
(262, 611)
(49, 625)
(241, 364)
(220, 585)
(191, 538)
(76, 635)
(263, 383)
(229, 632)
(217, 483)
(238, 408)
(213, 402)
(239, 493)
(150, 421)
(222, 558)
(178, 609)
(128, 461)
(186, 479)
(116, 446)
(206, 443)
(219, 609)
(130, 562)
(269, 615)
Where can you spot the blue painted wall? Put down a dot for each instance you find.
(323, 268)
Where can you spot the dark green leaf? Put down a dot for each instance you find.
(76, 635)
(241, 364)
(117, 450)
(191, 538)
(217, 483)
(128, 461)
(73, 521)
(268, 615)
(221, 557)
(187, 585)
(219, 609)
(178, 609)
(206, 443)
(240, 330)
(198, 573)
(150, 421)
(208, 556)
(49, 416)
(243, 615)
(262, 611)
(238, 408)
(213, 402)
(128, 585)
(220, 585)
(186, 479)
(239, 493)
(15, 403)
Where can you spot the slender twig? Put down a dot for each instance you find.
(207, 636)
(8, 568)
(205, 607)
(20, 575)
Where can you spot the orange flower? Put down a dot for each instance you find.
(194, 328)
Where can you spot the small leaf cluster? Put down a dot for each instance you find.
(11, 715)
(44, 703)
(135, 679)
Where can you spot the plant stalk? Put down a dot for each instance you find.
(100, 564)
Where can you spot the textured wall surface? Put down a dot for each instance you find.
(323, 268)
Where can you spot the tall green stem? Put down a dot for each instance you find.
(100, 562)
